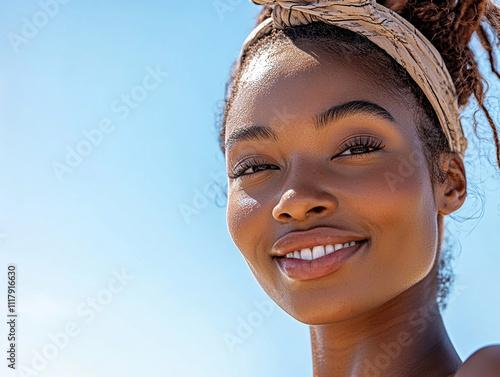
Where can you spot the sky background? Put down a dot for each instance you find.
(124, 263)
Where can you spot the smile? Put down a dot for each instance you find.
(319, 251)
(318, 261)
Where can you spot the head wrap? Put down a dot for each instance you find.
(391, 32)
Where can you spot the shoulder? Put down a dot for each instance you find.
(485, 362)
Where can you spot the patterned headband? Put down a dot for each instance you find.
(391, 32)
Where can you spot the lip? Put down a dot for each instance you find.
(300, 269)
(299, 240)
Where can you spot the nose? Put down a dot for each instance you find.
(306, 197)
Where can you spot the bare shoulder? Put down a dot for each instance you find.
(485, 362)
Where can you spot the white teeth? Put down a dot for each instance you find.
(306, 254)
(318, 251)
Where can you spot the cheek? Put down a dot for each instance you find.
(241, 214)
(248, 224)
(400, 210)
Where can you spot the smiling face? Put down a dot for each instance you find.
(314, 141)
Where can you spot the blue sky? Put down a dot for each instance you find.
(125, 265)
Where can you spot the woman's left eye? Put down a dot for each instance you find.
(357, 150)
(361, 145)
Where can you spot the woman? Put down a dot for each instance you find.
(344, 153)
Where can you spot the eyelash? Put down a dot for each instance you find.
(247, 164)
(359, 141)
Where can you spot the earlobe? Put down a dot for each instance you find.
(454, 190)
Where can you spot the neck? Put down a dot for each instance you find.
(405, 337)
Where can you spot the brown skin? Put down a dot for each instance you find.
(384, 296)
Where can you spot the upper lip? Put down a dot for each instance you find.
(299, 240)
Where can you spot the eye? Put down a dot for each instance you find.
(249, 167)
(360, 145)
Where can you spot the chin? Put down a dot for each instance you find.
(314, 307)
(326, 314)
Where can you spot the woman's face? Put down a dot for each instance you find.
(325, 155)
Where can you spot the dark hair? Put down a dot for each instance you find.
(449, 26)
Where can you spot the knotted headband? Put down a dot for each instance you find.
(392, 33)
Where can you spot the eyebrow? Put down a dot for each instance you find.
(321, 121)
(344, 110)
(251, 133)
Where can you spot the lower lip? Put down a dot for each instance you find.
(300, 269)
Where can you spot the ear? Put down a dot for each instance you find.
(452, 192)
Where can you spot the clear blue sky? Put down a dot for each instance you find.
(111, 203)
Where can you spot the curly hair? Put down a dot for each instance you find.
(449, 25)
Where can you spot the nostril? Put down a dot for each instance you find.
(301, 208)
(318, 209)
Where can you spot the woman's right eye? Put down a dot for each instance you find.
(251, 166)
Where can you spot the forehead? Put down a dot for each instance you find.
(286, 80)
(278, 60)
